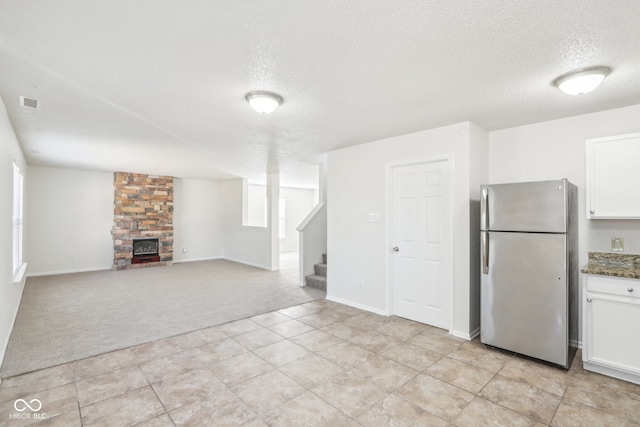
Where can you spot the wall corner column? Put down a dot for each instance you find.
(273, 217)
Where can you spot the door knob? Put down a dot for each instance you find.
(589, 300)
(395, 249)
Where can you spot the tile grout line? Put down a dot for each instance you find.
(77, 394)
(307, 389)
(418, 406)
(166, 412)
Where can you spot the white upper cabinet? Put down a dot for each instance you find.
(613, 177)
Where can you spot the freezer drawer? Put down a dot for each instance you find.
(529, 206)
(524, 295)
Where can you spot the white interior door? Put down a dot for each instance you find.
(421, 240)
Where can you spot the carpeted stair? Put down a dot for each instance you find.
(319, 279)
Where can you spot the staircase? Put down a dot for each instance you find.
(319, 279)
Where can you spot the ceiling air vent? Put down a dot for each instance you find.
(28, 102)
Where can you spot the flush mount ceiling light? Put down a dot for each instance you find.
(264, 102)
(581, 81)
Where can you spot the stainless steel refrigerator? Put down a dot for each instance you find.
(529, 280)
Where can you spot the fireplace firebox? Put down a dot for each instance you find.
(145, 250)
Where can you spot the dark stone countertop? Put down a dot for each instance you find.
(610, 264)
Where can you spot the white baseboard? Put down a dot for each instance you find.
(357, 305)
(239, 261)
(197, 259)
(464, 335)
(79, 270)
(5, 346)
(612, 372)
(85, 270)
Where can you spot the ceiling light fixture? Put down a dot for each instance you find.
(582, 80)
(264, 102)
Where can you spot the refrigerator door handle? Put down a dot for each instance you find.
(484, 209)
(485, 252)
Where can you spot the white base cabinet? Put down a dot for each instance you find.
(611, 327)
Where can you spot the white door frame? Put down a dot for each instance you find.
(389, 167)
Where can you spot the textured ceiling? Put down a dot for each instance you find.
(158, 86)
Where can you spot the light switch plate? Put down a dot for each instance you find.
(617, 244)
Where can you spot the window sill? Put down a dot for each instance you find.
(19, 276)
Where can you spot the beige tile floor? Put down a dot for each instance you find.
(319, 363)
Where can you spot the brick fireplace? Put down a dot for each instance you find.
(143, 210)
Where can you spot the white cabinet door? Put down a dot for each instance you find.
(610, 326)
(612, 332)
(613, 176)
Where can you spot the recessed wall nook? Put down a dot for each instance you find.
(143, 211)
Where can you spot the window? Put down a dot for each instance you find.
(18, 217)
(281, 219)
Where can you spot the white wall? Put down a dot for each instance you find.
(70, 216)
(249, 245)
(556, 149)
(197, 220)
(10, 293)
(256, 205)
(299, 202)
(478, 175)
(273, 218)
(358, 249)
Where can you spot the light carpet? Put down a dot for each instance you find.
(72, 316)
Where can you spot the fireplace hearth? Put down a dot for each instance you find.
(145, 250)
